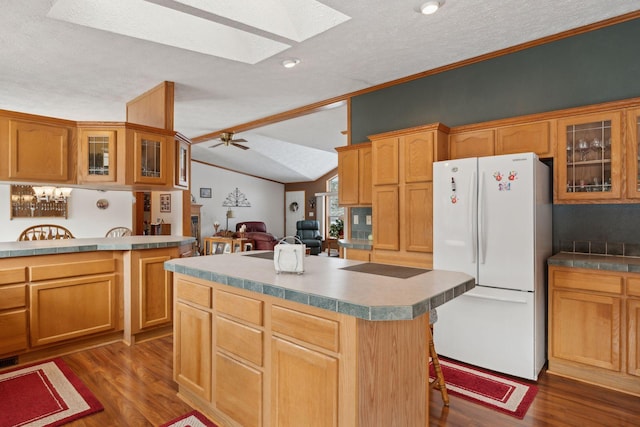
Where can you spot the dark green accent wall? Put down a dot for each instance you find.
(599, 66)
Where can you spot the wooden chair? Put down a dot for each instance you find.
(118, 232)
(45, 232)
(438, 383)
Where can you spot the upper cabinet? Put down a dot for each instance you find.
(99, 154)
(150, 158)
(182, 164)
(633, 153)
(471, 143)
(589, 157)
(37, 148)
(354, 170)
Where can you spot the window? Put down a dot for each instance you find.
(333, 211)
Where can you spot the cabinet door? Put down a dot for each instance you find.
(150, 158)
(38, 152)
(97, 152)
(364, 175)
(154, 292)
(385, 156)
(585, 328)
(304, 386)
(192, 350)
(418, 217)
(418, 157)
(13, 331)
(589, 157)
(530, 137)
(71, 308)
(633, 153)
(471, 144)
(386, 211)
(238, 391)
(633, 337)
(183, 160)
(348, 177)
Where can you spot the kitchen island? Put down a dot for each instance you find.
(333, 346)
(58, 296)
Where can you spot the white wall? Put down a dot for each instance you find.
(266, 198)
(85, 219)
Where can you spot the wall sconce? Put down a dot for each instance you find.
(52, 194)
(312, 203)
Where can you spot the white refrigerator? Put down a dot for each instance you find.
(492, 220)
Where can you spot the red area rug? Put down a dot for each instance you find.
(192, 419)
(46, 394)
(486, 388)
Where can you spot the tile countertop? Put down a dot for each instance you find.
(48, 247)
(356, 244)
(595, 261)
(325, 285)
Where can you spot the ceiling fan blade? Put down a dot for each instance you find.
(239, 140)
(215, 145)
(239, 146)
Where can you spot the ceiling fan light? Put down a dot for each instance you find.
(430, 7)
(290, 63)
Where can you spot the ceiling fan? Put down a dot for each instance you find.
(227, 140)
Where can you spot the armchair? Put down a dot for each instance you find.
(308, 232)
(257, 231)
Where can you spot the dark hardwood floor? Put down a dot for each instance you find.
(136, 388)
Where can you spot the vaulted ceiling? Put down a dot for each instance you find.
(84, 59)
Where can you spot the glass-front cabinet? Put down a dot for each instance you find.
(150, 158)
(98, 159)
(589, 157)
(633, 153)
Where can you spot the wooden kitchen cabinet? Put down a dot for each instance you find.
(472, 143)
(13, 312)
(182, 162)
(349, 176)
(533, 137)
(37, 149)
(593, 326)
(98, 155)
(589, 157)
(402, 206)
(150, 158)
(633, 153)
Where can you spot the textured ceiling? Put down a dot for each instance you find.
(61, 69)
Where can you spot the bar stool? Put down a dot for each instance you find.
(438, 382)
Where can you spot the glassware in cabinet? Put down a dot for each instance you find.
(589, 157)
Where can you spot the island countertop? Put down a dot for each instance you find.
(325, 284)
(61, 246)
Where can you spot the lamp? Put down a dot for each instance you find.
(430, 7)
(229, 215)
(48, 193)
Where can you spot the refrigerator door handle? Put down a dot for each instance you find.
(510, 300)
(473, 211)
(482, 241)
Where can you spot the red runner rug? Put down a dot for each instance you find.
(46, 394)
(486, 388)
(192, 419)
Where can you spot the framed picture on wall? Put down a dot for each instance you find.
(205, 193)
(165, 203)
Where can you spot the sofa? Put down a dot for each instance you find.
(308, 231)
(257, 231)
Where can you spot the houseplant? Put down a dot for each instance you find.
(336, 229)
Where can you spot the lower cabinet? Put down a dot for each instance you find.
(249, 359)
(13, 312)
(594, 326)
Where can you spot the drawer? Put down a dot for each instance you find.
(587, 281)
(241, 340)
(238, 391)
(633, 286)
(306, 327)
(193, 292)
(247, 309)
(13, 331)
(13, 296)
(71, 269)
(12, 275)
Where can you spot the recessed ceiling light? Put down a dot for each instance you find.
(430, 7)
(290, 63)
